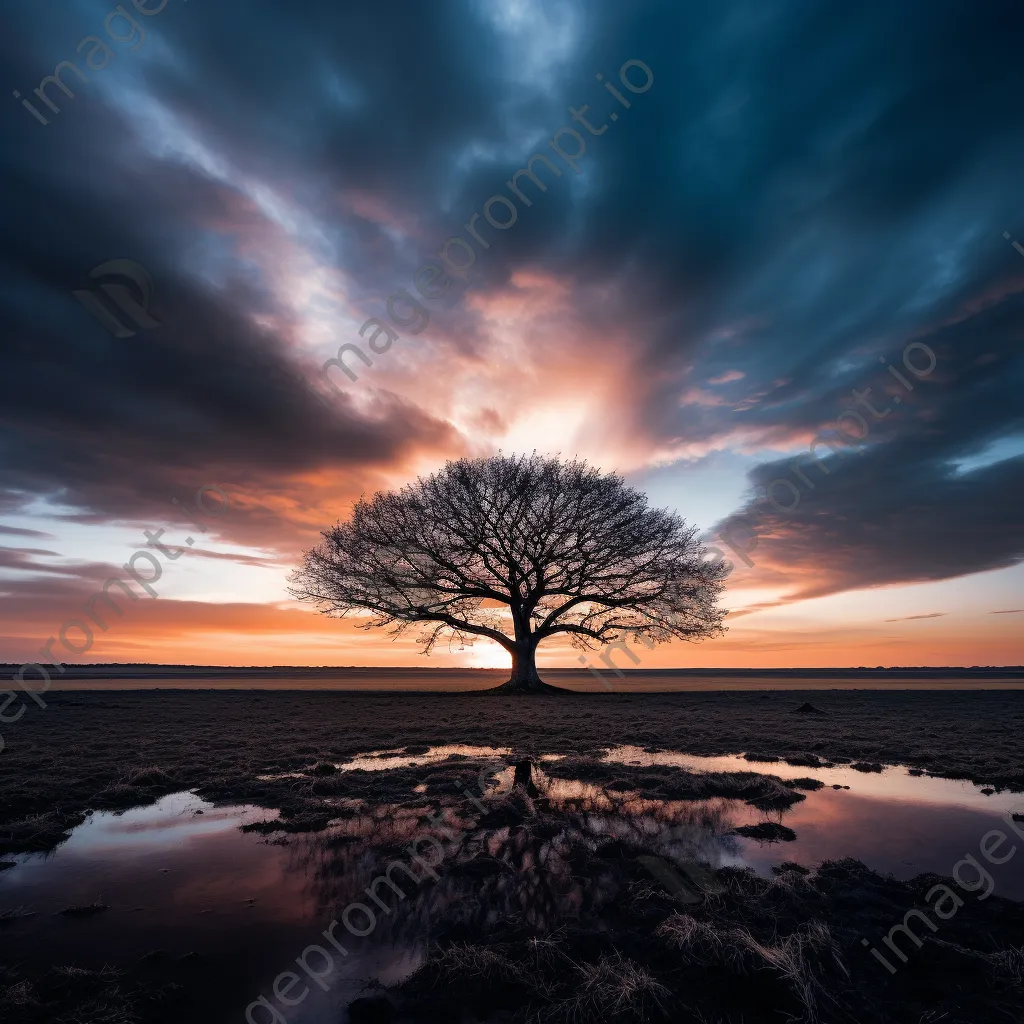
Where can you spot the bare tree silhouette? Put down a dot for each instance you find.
(517, 549)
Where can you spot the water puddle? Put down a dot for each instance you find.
(225, 910)
(218, 910)
(895, 822)
(892, 783)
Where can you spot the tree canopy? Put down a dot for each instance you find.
(517, 549)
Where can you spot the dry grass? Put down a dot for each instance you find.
(67, 995)
(785, 948)
(614, 990)
(476, 964)
(38, 833)
(1009, 963)
(611, 990)
(13, 914)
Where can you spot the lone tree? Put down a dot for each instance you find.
(517, 549)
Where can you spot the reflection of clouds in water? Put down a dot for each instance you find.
(893, 783)
(529, 860)
(170, 820)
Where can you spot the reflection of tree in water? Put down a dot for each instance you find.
(544, 860)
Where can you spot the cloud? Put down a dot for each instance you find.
(727, 377)
(909, 618)
(897, 507)
(26, 560)
(17, 531)
(239, 559)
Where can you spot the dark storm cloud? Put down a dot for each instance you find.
(900, 520)
(118, 425)
(806, 187)
(898, 506)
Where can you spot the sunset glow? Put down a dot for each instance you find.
(693, 303)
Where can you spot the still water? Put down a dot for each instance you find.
(223, 912)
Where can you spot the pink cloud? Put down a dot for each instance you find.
(727, 377)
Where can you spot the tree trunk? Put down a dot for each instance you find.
(524, 670)
(525, 678)
(524, 778)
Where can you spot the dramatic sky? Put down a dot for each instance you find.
(805, 189)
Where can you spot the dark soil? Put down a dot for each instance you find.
(87, 910)
(808, 709)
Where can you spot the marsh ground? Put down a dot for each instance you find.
(118, 749)
(541, 916)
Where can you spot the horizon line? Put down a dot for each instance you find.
(461, 668)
